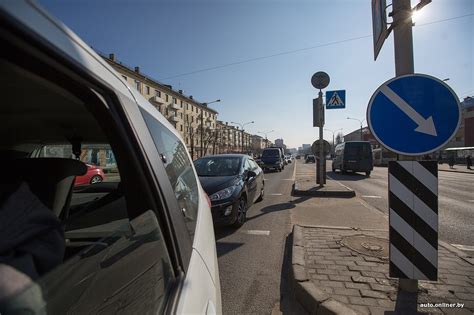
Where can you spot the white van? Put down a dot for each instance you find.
(140, 242)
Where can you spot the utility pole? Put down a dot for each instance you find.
(202, 123)
(403, 45)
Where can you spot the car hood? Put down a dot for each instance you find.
(212, 184)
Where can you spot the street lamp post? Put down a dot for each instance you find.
(242, 126)
(202, 124)
(266, 138)
(360, 121)
(333, 143)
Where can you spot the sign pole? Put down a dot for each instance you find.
(321, 149)
(403, 44)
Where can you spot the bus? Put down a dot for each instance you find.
(460, 154)
(382, 156)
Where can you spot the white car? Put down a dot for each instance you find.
(141, 242)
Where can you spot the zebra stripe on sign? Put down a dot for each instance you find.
(413, 219)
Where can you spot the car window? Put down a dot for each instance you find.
(253, 164)
(248, 165)
(72, 250)
(179, 168)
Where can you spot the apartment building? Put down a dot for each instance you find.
(195, 121)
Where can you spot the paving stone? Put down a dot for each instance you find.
(299, 273)
(372, 259)
(319, 277)
(464, 296)
(359, 286)
(373, 294)
(326, 271)
(351, 292)
(359, 268)
(333, 284)
(362, 309)
(383, 288)
(345, 263)
(366, 263)
(349, 273)
(337, 267)
(363, 279)
(363, 301)
(372, 274)
(374, 310)
(339, 278)
(386, 303)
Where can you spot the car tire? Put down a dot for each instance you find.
(333, 170)
(367, 173)
(262, 194)
(279, 169)
(241, 213)
(96, 179)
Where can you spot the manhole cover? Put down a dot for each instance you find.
(367, 245)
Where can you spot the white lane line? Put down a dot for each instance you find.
(256, 232)
(275, 194)
(469, 248)
(375, 197)
(472, 200)
(294, 172)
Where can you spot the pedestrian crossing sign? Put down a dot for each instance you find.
(336, 99)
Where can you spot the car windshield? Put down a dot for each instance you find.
(218, 166)
(271, 153)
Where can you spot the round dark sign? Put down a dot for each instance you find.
(320, 80)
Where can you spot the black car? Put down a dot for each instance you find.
(310, 158)
(233, 183)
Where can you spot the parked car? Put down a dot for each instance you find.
(298, 157)
(288, 159)
(272, 159)
(353, 156)
(142, 245)
(310, 159)
(233, 183)
(94, 175)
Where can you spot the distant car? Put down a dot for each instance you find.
(355, 156)
(288, 159)
(233, 183)
(94, 175)
(272, 159)
(298, 157)
(310, 159)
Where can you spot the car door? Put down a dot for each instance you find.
(251, 182)
(259, 178)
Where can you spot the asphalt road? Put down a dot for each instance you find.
(456, 200)
(251, 259)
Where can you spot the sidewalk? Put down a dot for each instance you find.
(457, 168)
(340, 264)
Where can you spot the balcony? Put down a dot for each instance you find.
(157, 99)
(175, 106)
(174, 119)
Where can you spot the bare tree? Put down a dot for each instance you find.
(339, 138)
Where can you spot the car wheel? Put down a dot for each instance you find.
(367, 173)
(279, 169)
(96, 179)
(241, 213)
(262, 194)
(333, 170)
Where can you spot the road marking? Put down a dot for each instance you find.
(469, 248)
(256, 232)
(375, 197)
(276, 194)
(472, 200)
(294, 172)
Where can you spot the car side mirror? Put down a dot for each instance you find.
(251, 174)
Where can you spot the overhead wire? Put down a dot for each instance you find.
(298, 50)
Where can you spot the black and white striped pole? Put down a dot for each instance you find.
(413, 221)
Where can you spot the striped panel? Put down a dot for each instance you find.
(413, 216)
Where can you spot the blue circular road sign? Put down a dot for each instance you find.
(414, 114)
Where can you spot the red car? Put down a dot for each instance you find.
(94, 175)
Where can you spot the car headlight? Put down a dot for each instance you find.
(223, 194)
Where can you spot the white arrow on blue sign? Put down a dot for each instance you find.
(414, 114)
(335, 99)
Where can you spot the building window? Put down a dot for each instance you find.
(166, 97)
(187, 106)
(181, 105)
(138, 85)
(157, 93)
(175, 101)
(181, 127)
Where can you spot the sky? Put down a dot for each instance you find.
(258, 56)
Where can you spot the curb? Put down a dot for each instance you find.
(465, 172)
(464, 256)
(346, 193)
(315, 301)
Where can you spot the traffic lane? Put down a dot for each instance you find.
(251, 258)
(455, 200)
